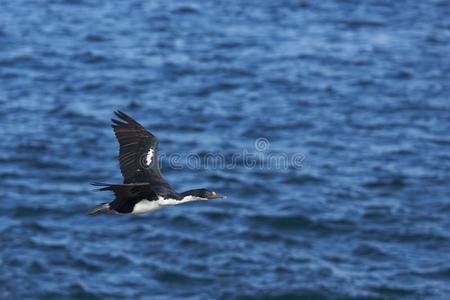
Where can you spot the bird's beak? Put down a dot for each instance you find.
(214, 195)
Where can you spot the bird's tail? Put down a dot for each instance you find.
(101, 209)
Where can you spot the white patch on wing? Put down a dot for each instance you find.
(148, 159)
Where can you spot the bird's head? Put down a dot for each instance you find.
(203, 194)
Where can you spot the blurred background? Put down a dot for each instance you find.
(360, 89)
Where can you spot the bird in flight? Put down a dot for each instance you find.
(144, 189)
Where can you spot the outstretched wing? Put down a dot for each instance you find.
(138, 154)
(139, 190)
(127, 195)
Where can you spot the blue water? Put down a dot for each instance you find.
(360, 89)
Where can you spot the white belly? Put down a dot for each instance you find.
(144, 206)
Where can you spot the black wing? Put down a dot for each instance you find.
(127, 195)
(138, 155)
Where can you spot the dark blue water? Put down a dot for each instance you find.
(360, 89)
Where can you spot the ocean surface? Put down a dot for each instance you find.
(354, 96)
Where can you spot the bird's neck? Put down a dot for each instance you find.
(189, 195)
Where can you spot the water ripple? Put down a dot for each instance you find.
(359, 91)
